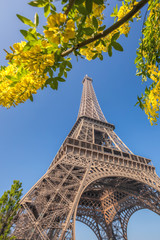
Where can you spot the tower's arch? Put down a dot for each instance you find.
(107, 203)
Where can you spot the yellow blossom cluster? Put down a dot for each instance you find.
(124, 29)
(124, 9)
(28, 63)
(90, 51)
(155, 19)
(25, 73)
(57, 29)
(155, 10)
(97, 13)
(148, 65)
(97, 10)
(32, 60)
(12, 91)
(154, 72)
(152, 102)
(69, 31)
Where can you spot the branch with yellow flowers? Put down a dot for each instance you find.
(109, 30)
(43, 60)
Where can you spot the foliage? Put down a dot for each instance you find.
(148, 62)
(42, 59)
(9, 204)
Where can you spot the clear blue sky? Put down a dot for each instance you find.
(32, 133)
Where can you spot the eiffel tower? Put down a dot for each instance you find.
(94, 178)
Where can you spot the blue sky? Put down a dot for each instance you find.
(32, 133)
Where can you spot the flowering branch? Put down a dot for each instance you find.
(41, 61)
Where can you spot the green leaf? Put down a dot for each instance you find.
(102, 28)
(88, 4)
(117, 46)
(39, 35)
(95, 22)
(115, 11)
(88, 31)
(115, 36)
(27, 46)
(49, 80)
(31, 98)
(36, 19)
(110, 50)
(69, 64)
(47, 10)
(24, 33)
(12, 78)
(78, 2)
(95, 56)
(54, 85)
(140, 102)
(50, 72)
(9, 77)
(99, 2)
(39, 3)
(65, 74)
(64, 1)
(82, 10)
(97, 43)
(104, 44)
(60, 74)
(32, 30)
(59, 79)
(26, 20)
(53, 7)
(28, 36)
(101, 57)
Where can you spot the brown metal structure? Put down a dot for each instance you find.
(94, 178)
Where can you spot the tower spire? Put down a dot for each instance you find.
(89, 105)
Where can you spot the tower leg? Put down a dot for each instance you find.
(49, 205)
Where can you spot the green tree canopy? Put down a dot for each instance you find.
(9, 205)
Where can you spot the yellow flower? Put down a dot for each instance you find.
(62, 18)
(48, 34)
(98, 9)
(55, 39)
(22, 90)
(46, 44)
(54, 31)
(18, 47)
(70, 24)
(56, 19)
(69, 31)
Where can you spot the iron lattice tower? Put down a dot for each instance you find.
(94, 178)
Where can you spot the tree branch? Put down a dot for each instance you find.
(70, 5)
(116, 25)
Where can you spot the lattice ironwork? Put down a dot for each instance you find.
(94, 178)
(89, 106)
